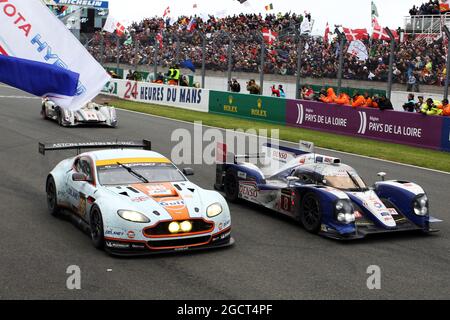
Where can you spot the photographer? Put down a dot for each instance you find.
(253, 88)
(234, 86)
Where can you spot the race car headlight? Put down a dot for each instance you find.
(133, 216)
(344, 211)
(174, 227)
(420, 205)
(214, 210)
(186, 226)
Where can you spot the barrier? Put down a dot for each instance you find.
(248, 106)
(174, 96)
(413, 129)
(445, 138)
(397, 127)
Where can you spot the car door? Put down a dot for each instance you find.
(81, 193)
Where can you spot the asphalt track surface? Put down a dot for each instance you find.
(273, 258)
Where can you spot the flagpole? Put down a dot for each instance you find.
(391, 62)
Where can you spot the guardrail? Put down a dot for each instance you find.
(432, 132)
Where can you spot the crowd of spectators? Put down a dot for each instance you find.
(432, 7)
(416, 61)
(358, 100)
(429, 107)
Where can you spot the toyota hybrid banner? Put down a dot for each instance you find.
(30, 31)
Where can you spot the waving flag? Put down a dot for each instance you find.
(166, 12)
(380, 33)
(34, 33)
(269, 36)
(188, 64)
(192, 25)
(269, 7)
(327, 34)
(38, 78)
(112, 25)
(356, 34)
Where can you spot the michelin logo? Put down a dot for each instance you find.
(84, 3)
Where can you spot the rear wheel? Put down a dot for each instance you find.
(52, 200)
(231, 186)
(310, 215)
(96, 226)
(59, 118)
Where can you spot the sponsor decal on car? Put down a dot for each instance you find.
(248, 191)
(114, 232)
(242, 175)
(140, 199)
(393, 212)
(131, 234)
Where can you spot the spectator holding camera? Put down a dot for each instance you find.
(235, 86)
(253, 87)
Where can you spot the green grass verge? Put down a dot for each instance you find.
(388, 151)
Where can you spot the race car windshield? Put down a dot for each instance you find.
(152, 172)
(345, 182)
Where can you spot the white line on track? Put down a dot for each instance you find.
(19, 97)
(293, 143)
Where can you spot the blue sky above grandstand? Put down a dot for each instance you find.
(351, 13)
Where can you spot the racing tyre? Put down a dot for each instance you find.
(96, 226)
(310, 215)
(231, 186)
(44, 113)
(52, 199)
(59, 118)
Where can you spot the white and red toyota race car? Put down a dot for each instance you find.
(135, 202)
(91, 113)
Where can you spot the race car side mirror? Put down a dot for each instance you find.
(80, 177)
(188, 171)
(382, 175)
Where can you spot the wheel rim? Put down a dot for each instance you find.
(51, 196)
(311, 212)
(96, 225)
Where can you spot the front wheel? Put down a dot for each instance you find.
(44, 113)
(231, 186)
(52, 200)
(310, 214)
(96, 226)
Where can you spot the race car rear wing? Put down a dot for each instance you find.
(144, 144)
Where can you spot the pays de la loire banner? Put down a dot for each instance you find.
(175, 96)
(29, 30)
(398, 127)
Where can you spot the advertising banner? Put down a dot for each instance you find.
(83, 3)
(248, 106)
(152, 93)
(397, 127)
(445, 139)
(30, 31)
